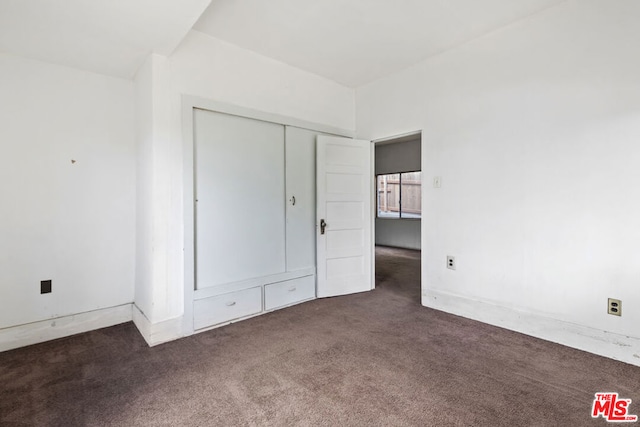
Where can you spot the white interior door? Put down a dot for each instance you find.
(344, 226)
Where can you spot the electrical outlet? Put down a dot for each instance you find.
(614, 306)
(451, 262)
(45, 287)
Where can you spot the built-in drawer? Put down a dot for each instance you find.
(224, 308)
(289, 292)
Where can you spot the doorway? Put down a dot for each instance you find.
(398, 215)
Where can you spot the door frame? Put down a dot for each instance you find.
(189, 103)
(407, 136)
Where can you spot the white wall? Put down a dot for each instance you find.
(213, 69)
(69, 222)
(208, 68)
(398, 157)
(534, 130)
(391, 158)
(398, 233)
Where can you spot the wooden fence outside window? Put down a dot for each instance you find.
(400, 194)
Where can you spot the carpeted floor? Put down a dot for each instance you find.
(371, 359)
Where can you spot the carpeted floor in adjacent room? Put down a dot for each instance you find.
(372, 359)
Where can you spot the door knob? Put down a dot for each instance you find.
(323, 225)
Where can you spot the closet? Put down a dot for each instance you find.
(254, 198)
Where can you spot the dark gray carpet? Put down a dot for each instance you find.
(372, 359)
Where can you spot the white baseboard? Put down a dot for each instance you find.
(157, 333)
(46, 330)
(607, 344)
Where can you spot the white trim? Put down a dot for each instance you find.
(188, 213)
(374, 213)
(60, 327)
(229, 322)
(280, 307)
(607, 344)
(404, 137)
(251, 283)
(382, 218)
(190, 102)
(157, 333)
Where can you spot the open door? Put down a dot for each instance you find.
(343, 221)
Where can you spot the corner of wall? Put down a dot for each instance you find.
(157, 333)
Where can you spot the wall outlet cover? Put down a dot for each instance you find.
(451, 262)
(614, 307)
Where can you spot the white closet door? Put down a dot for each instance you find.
(344, 192)
(301, 198)
(240, 198)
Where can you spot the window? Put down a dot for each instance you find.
(399, 195)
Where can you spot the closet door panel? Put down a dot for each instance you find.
(239, 198)
(301, 185)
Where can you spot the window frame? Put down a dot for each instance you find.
(399, 217)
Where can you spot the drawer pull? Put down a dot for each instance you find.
(291, 289)
(231, 303)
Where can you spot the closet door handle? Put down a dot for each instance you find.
(323, 225)
(231, 303)
(293, 200)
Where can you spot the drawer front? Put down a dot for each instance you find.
(224, 308)
(279, 294)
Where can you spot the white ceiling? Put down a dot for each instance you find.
(111, 37)
(354, 42)
(351, 42)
